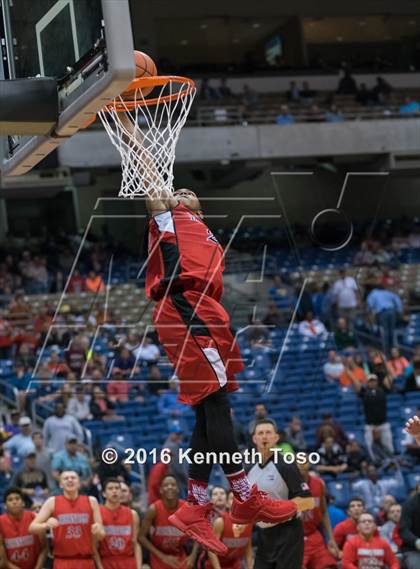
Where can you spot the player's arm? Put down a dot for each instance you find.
(191, 559)
(44, 520)
(349, 560)
(42, 557)
(326, 522)
(249, 556)
(147, 523)
(98, 531)
(218, 527)
(96, 556)
(138, 555)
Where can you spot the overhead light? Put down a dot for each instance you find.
(204, 26)
(412, 22)
(339, 38)
(256, 25)
(362, 23)
(184, 42)
(236, 40)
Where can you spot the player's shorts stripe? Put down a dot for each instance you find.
(171, 264)
(165, 222)
(217, 364)
(196, 326)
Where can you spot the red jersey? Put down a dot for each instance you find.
(118, 543)
(236, 539)
(22, 548)
(375, 553)
(73, 538)
(184, 253)
(344, 531)
(166, 537)
(312, 519)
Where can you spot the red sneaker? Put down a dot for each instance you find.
(261, 508)
(193, 520)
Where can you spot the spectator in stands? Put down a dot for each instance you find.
(148, 351)
(168, 404)
(295, 436)
(26, 357)
(31, 479)
(352, 368)
(363, 96)
(21, 444)
(6, 337)
(274, 318)
(312, 327)
(307, 94)
(12, 426)
(381, 91)
(207, 92)
(373, 490)
(280, 292)
(315, 114)
(77, 283)
(334, 114)
(79, 404)
(71, 459)
(410, 106)
(344, 337)
(367, 548)
(58, 427)
(76, 355)
(334, 367)
(364, 257)
(57, 367)
(346, 295)
(20, 382)
(397, 364)
(329, 427)
(347, 84)
(37, 276)
(285, 116)
(375, 410)
(376, 364)
(388, 501)
(156, 385)
(249, 97)
(101, 407)
(95, 283)
(332, 458)
(381, 456)
(19, 309)
(43, 457)
(386, 307)
(336, 514)
(389, 530)
(124, 363)
(260, 413)
(224, 91)
(347, 529)
(357, 459)
(118, 388)
(410, 531)
(293, 94)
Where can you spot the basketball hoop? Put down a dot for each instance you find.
(145, 132)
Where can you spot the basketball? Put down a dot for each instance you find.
(145, 67)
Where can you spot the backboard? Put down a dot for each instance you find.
(86, 45)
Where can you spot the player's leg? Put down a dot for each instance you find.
(199, 474)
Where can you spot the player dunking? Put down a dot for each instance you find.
(75, 522)
(184, 277)
(18, 548)
(120, 549)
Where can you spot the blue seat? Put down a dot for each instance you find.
(412, 480)
(340, 491)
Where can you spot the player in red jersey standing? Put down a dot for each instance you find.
(164, 541)
(184, 277)
(367, 550)
(120, 549)
(18, 548)
(348, 528)
(75, 522)
(316, 554)
(238, 540)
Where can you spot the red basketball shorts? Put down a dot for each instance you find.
(316, 554)
(194, 330)
(118, 563)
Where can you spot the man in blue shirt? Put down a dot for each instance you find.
(22, 443)
(385, 306)
(71, 459)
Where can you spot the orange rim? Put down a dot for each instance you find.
(120, 106)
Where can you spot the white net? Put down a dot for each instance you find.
(146, 136)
